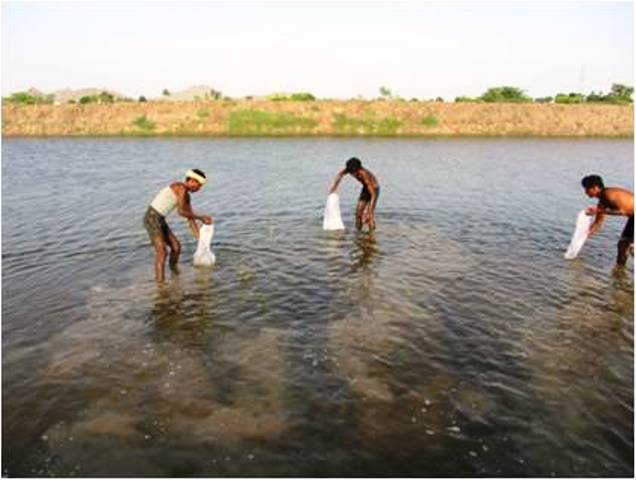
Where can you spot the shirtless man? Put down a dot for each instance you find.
(177, 195)
(611, 201)
(365, 210)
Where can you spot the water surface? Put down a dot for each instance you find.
(455, 341)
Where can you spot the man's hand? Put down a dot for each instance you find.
(207, 219)
(591, 210)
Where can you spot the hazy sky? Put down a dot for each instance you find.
(332, 49)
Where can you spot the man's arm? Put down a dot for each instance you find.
(193, 227)
(613, 211)
(599, 211)
(336, 182)
(185, 210)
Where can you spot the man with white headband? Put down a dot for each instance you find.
(177, 195)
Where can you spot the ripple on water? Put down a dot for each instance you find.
(455, 340)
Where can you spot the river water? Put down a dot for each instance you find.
(455, 341)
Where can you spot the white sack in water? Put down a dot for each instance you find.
(332, 219)
(203, 257)
(583, 223)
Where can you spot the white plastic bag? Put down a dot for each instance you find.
(332, 219)
(203, 257)
(581, 230)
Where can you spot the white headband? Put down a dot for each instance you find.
(196, 176)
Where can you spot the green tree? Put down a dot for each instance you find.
(302, 97)
(505, 94)
(621, 93)
(596, 97)
(23, 98)
(385, 93)
(277, 97)
(166, 92)
(142, 99)
(106, 97)
(570, 98)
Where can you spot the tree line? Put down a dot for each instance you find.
(618, 95)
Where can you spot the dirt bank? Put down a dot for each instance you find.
(346, 118)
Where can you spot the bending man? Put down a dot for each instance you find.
(611, 201)
(365, 210)
(176, 195)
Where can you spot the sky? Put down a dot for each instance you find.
(417, 49)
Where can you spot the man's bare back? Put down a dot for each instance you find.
(617, 201)
(611, 201)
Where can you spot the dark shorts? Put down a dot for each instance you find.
(365, 195)
(628, 231)
(156, 225)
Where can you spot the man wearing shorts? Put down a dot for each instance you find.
(611, 201)
(176, 195)
(365, 210)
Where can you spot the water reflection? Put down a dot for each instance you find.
(183, 310)
(366, 250)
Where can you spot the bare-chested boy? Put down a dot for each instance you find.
(365, 210)
(176, 195)
(611, 201)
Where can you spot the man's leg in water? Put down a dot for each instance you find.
(623, 249)
(626, 241)
(372, 212)
(359, 209)
(175, 251)
(160, 258)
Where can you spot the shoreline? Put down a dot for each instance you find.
(317, 137)
(337, 119)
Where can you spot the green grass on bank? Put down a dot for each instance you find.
(144, 124)
(343, 125)
(258, 122)
(430, 121)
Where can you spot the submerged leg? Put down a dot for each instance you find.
(160, 258)
(175, 251)
(623, 249)
(359, 210)
(372, 211)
